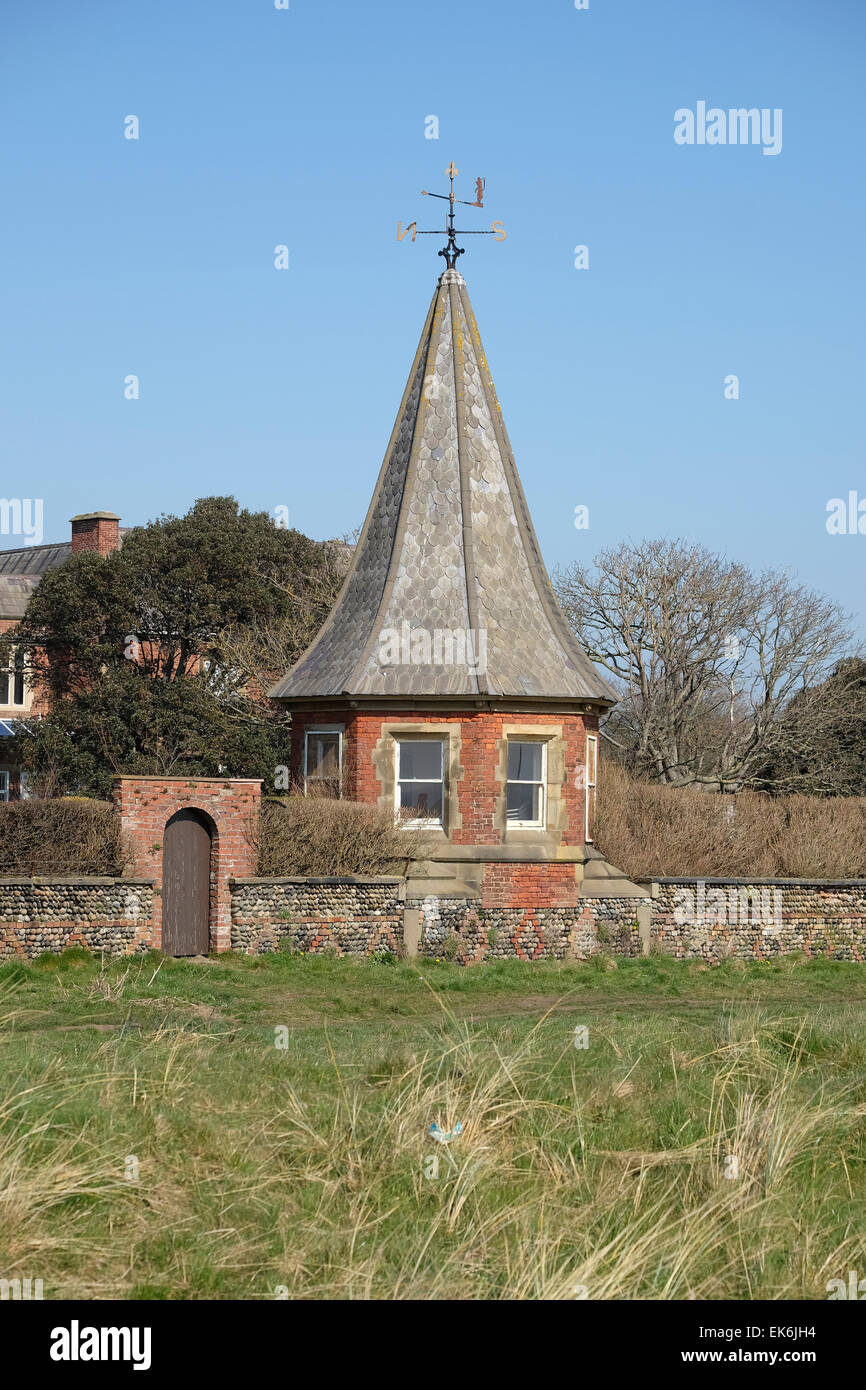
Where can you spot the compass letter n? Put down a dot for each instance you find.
(401, 235)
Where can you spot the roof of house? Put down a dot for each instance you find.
(448, 545)
(21, 571)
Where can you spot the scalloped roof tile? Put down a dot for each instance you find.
(448, 545)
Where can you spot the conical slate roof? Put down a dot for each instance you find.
(448, 547)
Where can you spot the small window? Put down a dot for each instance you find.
(420, 782)
(4, 786)
(527, 766)
(323, 762)
(591, 781)
(12, 686)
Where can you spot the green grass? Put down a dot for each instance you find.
(308, 1168)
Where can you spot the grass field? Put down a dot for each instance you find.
(156, 1142)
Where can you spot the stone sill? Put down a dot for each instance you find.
(81, 881)
(190, 781)
(317, 882)
(529, 852)
(754, 882)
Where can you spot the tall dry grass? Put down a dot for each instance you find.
(323, 837)
(321, 1184)
(61, 835)
(677, 831)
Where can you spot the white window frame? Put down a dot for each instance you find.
(9, 677)
(541, 823)
(419, 822)
(590, 791)
(4, 785)
(323, 729)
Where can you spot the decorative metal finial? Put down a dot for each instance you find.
(451, 250)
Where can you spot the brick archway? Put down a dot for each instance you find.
(230, 805)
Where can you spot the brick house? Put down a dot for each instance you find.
(445, 687)
(446, 682)
(20, 573)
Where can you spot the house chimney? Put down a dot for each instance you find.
(96, 531)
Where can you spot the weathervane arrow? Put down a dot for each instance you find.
(451, 250)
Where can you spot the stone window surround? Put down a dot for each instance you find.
(590, 800)
(541, 823)
(7, 674)
(418, 822)
(555, 814)
(385, 763)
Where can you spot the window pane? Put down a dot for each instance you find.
(524, 761)
(18, 679)
(421, 759)
(323, 755)
(323, 764)
(422, 798)
(591, 760)
(523, 801)
(4, 786)
(5, 688)
(590, 812)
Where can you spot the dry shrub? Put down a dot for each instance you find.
(824, 836)
(318, 837)
(64, 835)
(648, 830)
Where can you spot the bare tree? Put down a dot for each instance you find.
(253, 656)
(709, 658)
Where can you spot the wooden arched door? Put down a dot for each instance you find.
(186, 885)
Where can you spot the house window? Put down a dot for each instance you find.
(420, 780)
(12, 687)
(323, 762)
(4, 786)
(591, 780)
(527, 771)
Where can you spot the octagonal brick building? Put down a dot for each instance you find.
(446, 683)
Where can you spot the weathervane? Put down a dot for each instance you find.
(451, 250)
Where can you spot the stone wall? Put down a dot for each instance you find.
(617, 925)
(690, 918)
(466, 931)
(759, 918)
(469, 932)
(710, 919)
(101, 914)
(346, 916)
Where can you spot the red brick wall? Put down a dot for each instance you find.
(95, 532)
(146, 804)
(38, 703)
(478, 788)
(529, 885)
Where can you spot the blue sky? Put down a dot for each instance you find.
(306, 127)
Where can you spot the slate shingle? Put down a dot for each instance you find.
(448, 545)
